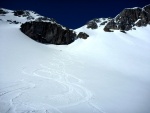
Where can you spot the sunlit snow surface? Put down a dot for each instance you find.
(106, 73)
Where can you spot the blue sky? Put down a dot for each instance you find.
(73, 13)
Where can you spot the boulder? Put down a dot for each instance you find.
(82, 35)
(48, 33)
(92, 24)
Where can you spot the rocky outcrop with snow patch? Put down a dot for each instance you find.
(22, 16)
(92, 24)
(97, 22)
(2, 12)
(129, 18)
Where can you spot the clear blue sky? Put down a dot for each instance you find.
(73, 13)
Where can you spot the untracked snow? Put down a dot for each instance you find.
(106, 73)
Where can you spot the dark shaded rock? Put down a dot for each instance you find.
(19, 12)
(134, 28)
(82, 35)
(92, 24)
(13, 22)
(2, 11)
(130, 17)
(122, 31)
(9, 21)
(107, 29)
(147, 8)
(48, 33)
(109, 26)
(141, 23)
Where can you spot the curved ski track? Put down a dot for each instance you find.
(72, 92)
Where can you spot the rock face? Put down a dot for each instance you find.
(83, 35)
(92, 24)
(128, 18)
(48, 32)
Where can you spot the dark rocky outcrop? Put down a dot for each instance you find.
(2, 11)
(147, 8)
(48, 33)
(109, 26)
(82, 35)
(97, 22)
(129, 18)
(107, 29)
(92, 24)
(12, 22)
(19, 12)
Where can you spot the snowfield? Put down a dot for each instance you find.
(106, 73)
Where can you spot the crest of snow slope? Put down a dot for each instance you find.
(107, 73)
(27, 16)
(10, 16)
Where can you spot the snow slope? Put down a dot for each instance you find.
(106, 73)
(22, 19)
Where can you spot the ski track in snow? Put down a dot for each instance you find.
(75, 93)
(16, 89)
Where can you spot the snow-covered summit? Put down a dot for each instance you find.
(22, 16)
(124, 21)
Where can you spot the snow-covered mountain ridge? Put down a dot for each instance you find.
(125, 20)
(22, 16)
(36, 26)
(109, 72)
